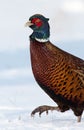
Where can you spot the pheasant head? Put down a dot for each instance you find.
(40, 26)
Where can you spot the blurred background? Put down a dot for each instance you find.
(67, 32)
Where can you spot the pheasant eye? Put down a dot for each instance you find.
(37, 22)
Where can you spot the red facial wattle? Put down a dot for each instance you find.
(37, 22)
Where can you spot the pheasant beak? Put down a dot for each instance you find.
(28, 24)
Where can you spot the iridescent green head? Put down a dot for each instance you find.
(40, 26)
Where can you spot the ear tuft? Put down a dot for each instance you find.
(47, 19)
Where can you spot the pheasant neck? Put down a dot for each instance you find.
(41, 35)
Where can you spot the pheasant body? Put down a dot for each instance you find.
(56, 76)
(58, 73)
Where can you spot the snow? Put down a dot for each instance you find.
(16, 107)
(19, 93)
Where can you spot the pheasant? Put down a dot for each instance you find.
(59, 73)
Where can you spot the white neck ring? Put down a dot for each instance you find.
(42, 40)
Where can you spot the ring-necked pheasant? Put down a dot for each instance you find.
(58, 73)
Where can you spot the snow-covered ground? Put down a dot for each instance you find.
(19, 93)
(16, 105)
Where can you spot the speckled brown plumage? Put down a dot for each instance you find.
(58, 73)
